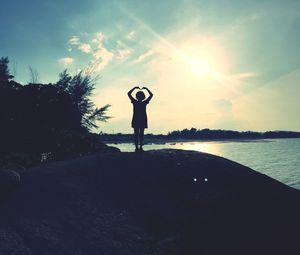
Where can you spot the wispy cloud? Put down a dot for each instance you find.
(122, 51)
(100, 50)
(246, 75)
(143, 56)
(98, 38)
(131, 35)
(101, 56)
(67, 61)
(85, 47)
(74, 40)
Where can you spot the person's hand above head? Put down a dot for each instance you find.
(130, 92)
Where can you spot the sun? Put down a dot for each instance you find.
(202, 58)
(200, 66)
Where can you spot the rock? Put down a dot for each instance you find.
(150, 203)
(9, 180)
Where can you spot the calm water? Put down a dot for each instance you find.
(277, 158)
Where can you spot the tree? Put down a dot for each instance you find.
(80, 87)
(34, 75)
(5, 75)
(48, 117)
(98, 114)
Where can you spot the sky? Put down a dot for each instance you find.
(219, 64)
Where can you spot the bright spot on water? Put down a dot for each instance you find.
(205, 179)
(195, 179)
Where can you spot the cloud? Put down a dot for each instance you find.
(74, 40)
(122, 51)
(85, 47)
(102, 57)
(103, 53)
(143, 56)
(98, 39)
(246, 75)
(67, 61)
(100, 54)
(131, 35)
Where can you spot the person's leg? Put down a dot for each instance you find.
(136, 138)
(141, 136)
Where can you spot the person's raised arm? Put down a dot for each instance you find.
(130, 93)
(150, 94)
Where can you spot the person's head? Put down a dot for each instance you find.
(140, 96)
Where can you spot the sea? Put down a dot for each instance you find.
(277, 158)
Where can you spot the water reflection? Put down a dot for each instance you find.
(278, 158)
(208, 147)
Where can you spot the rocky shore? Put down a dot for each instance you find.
(158, 202)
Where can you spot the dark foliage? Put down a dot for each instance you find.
(5, 76)
(194, 133)
(48, 117)
(80, 88)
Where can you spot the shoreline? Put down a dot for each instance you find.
(165, 141)
(279, 150)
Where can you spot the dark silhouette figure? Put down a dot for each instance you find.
(139, 119)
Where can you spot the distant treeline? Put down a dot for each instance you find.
(54, 117)
(204, 134)
(194, 133)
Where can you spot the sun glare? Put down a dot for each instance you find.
(200, 67)
(202, 58)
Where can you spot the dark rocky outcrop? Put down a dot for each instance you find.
(158, 202)
(9, 181)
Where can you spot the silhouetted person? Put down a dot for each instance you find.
(139, 119)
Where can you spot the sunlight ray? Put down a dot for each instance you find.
(151, 31)
(229, 82)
